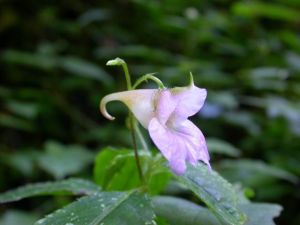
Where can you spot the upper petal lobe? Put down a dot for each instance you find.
(194, 141)
(189, 101)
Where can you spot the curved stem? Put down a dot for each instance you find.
(140, 136)
(149, 77)
(191, 79)
(127, 76)
(120, 62)
(136, 154)
(132, 127)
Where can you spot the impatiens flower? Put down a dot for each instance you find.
(165, 114)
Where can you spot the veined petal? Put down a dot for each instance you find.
(194, 141)
(141, 103)
(180, 143)
(166, 105)
(177, 162)
(162, 138)
(172, 148)
(189, 100)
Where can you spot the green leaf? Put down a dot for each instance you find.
(116, 170)
(122, 208)
(214, 191)
(15, 122)
(289, 38)
(268, 10)
(144, 52)
(271, 73)
(158, 175)
(25, 109)
(14, 217)
(72, 185)
(187, 213)
(244, 120)
(225, 99)
(47, 61)
(293, 3)
(93, 15)
(279, 106)
(158, 181)
(40, 61)
(84, 68)
(261, 213)
(252, 172)
(293, 59)
(60, 160)
(22, 161)
(222, 147)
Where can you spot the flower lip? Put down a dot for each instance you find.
(178, 139)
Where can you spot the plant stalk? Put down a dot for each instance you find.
(132, 127)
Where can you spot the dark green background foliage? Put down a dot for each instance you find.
(53, 75)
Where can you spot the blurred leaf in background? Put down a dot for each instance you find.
(14, 217)
(60, 160)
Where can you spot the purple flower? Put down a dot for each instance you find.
(165, 114)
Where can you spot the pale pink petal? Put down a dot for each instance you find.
(166, 105)
(189, 101)
(177, 162)
(171, 146)
(194, 140)
(180, 143)
(162, 138)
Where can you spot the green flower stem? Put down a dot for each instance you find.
(127, 76)
(149, 77)
(136, 154)
(132, 122)
(140, 136)
(121, 62)
(191, 79)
